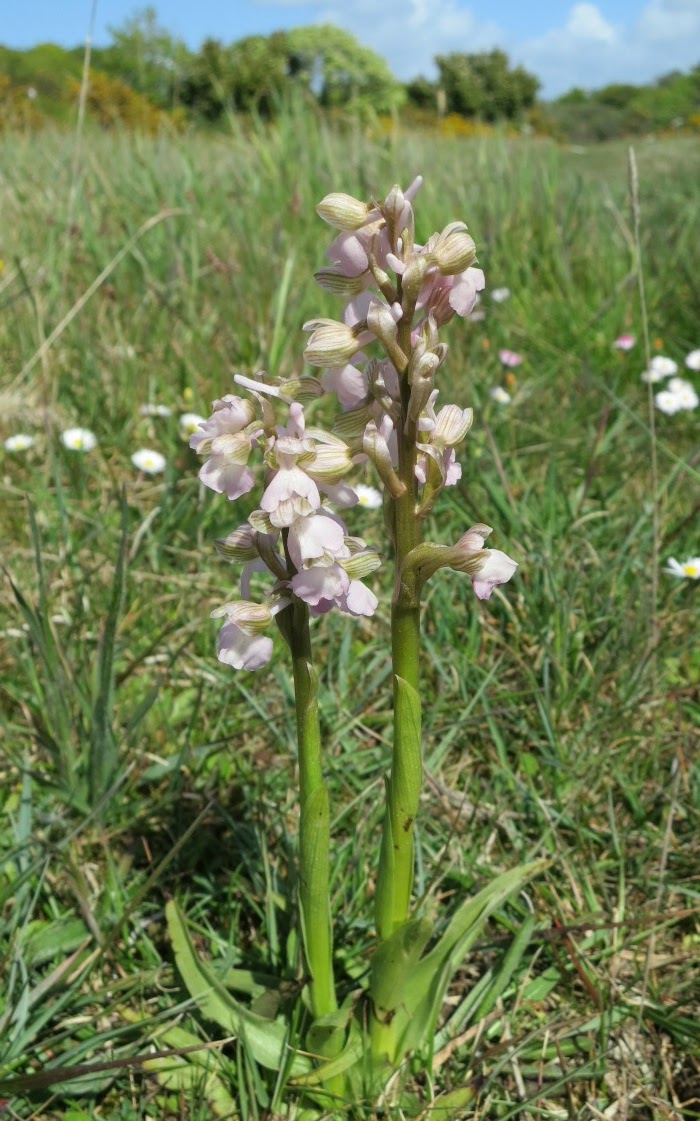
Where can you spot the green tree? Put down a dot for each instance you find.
(422, 93)
(618, 95)
(340, 71)
(259, 71)
(147, 57)
(254, 73)
(248, 75)
(485, 85)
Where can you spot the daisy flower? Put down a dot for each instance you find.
(684, 392)
(79, 439)
(692, 360)
(500, 295)
(190, 422)
(20, 442)
(510, 358)
(687, 570)
(660, 367)
(149, 461)
(668, 402)
(368, 496)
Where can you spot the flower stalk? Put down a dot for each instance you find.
(396, 863)
(314, 826)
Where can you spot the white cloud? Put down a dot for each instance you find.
(586, 23)
(409, 33)
(589, 51)
(669, 21)
(573, 54)
(585, 49)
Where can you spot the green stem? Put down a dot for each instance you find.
(314, 831)
(395, 876)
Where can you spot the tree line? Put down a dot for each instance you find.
(145, 71)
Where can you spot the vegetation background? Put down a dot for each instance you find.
(146, 270)
(149, 79)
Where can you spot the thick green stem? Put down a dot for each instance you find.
(314, 832)
(395, 877)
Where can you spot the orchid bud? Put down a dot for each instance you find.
(301, 389)
(412, 281)
(399, 219)
(422, 366)
(453, 250)
(343, 212)
(331, 343)
(426, 559)
(394, 204)
(384, 386)
(381, 277)
(429, 337)
(339, 284)
(382, 324)
(362, 563)
(260, 521)
(421, 388)
(351, 425)
(251, 618)
(240, 546)
(376, 448)
(328, 463)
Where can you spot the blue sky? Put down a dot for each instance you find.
(574, 42)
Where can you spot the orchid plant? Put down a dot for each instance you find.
(380, 362)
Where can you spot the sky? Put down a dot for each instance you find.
(566, 44)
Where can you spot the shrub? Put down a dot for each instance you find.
(112, 102)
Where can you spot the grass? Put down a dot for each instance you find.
(562, 716)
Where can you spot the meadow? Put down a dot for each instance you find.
(145, 272)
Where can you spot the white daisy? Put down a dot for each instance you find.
(684, 392)
(368, 496)
(687, 570)
(668, 403)
(20, 442)
(149, 461)
(79, 439)
(660, 367)
(190, 422)
(499, 394)
(692, 360)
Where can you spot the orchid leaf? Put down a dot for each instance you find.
(266, 1039)
(327, 1034)
(314, 872)
(349, 1057)
(393, 963)
(427, 982)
